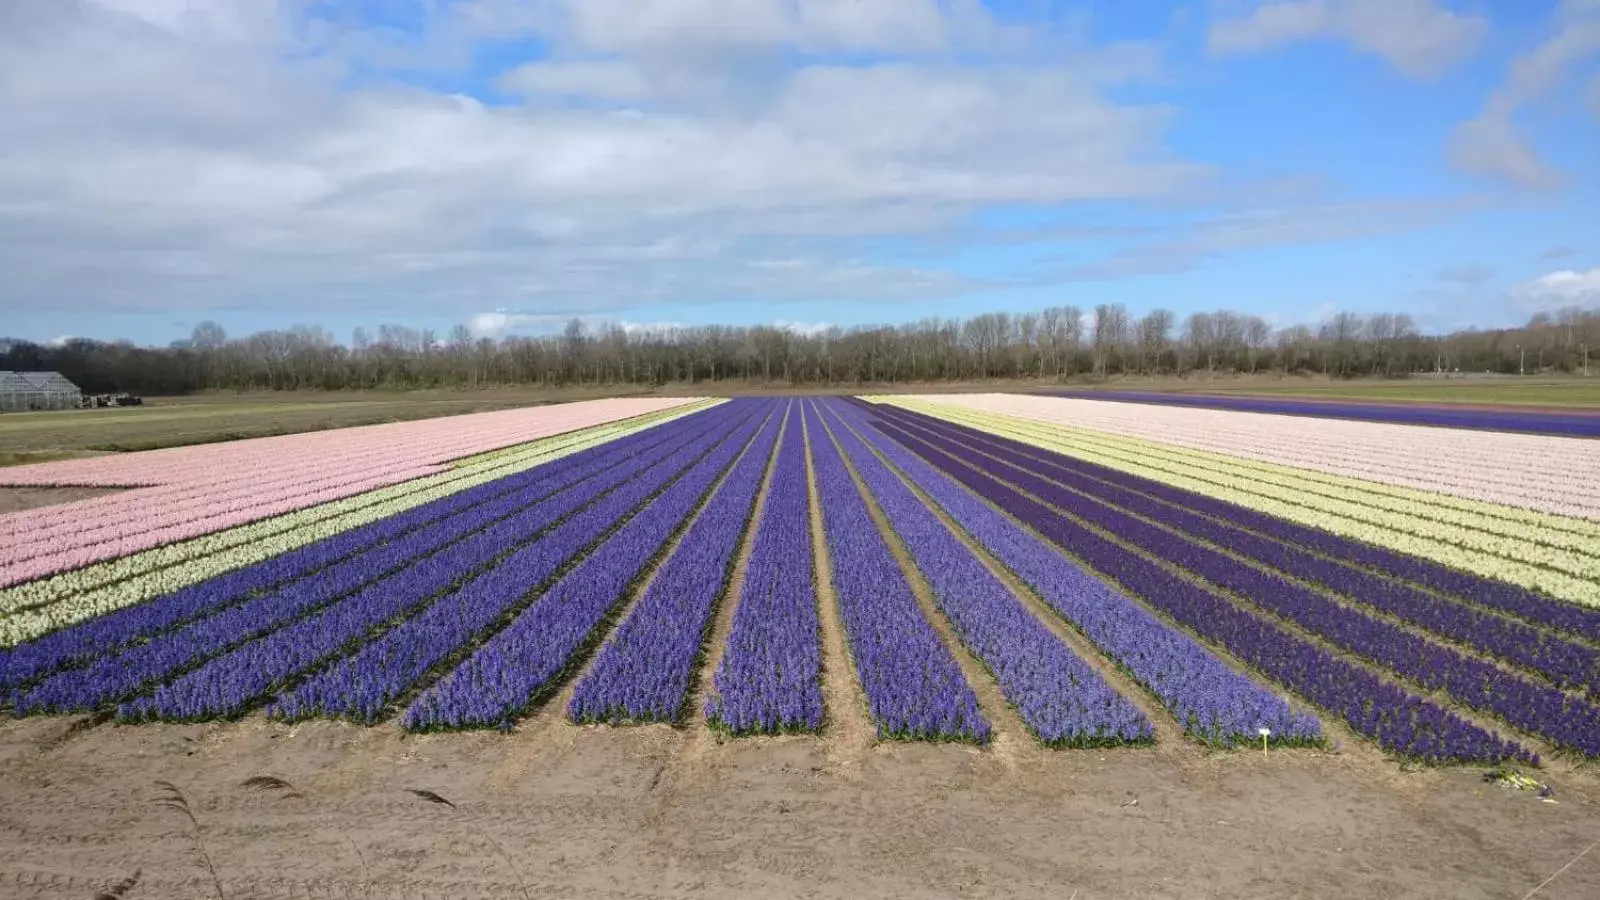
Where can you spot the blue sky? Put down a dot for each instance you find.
(510, 163)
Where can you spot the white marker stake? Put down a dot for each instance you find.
(1265, 733)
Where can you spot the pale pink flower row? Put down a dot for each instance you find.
(1548, 474)
(188, 492)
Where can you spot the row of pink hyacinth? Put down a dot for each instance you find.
(381, 448)
(188, 492)
(1547, 474)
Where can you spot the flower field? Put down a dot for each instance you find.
(1077, 573)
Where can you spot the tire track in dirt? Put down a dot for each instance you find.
(847, 728)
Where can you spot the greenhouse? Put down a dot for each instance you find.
(22, 391)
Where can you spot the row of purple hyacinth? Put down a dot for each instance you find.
(163, 654)
(324, 570)
(1577, 423)
(1566, 662)
(1212, 702)
(914, 687)
(1397, 719)
(518, 665)
(232, 682)
(1060, 698)
(1541, 709)
(642, 674)
(769, 679)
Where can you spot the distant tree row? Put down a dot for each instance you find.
(1053, 344)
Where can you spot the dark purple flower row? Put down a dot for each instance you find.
(1060, 698)
(511, 671)
(913, 685)
(769, 679)
(1565, 662)
(642, 674)
(1570, 424)
(120, 674)
(101, 635)
(1211, 701)
(1397, 719)
(1461, 586)
(228, 684)
(1537, 708)
(363, 686)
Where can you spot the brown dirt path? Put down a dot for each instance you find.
(848, 721)
(756, 817)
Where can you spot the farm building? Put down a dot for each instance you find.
(20, 391)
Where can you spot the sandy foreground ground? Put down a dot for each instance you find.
(553, 810)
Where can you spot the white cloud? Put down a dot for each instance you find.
(170, 155)
(1490, 144)
(602, 79)
(1558, 289)
(1417, 37)
(1192, 246)
(806, 329)
(675, 26)
(501, 323)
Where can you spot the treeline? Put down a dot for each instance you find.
(1053, 344)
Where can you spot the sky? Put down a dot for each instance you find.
(509, 164)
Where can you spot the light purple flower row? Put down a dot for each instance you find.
(365, 685)
(913, 685)
(1211, 701)
(229, 684)
(1398, 720)
(516, 667)
(1566, 662)
(1537, 708)
(1060, 698)
(769, 679)
(642, 674)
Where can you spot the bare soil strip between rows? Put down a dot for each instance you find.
(1010, 738)
(847, 721)
(1492, 724)
(681, 769)
(1167, 730)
